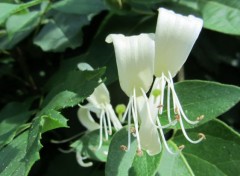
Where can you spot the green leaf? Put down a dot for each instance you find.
(88, 145)
(145, 165)
(101, 50)
(82, 83)
(17, 28)
(12, 119)
(217, 155)
(221, 15)
(205, 98)
(79, 6)
(6, 10)
(21, 23)
(119, 161)
(62, 32)
(173, 165)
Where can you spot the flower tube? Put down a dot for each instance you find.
(134, 57)
(98, 103)
(175, 37)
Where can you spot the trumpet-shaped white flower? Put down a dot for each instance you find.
(175, 37)
(98, 103)
(134, 56)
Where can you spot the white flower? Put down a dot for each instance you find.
(134, 56)
(98, 103)
(174, 39)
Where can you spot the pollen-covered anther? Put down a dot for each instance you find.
(160, 106)
(181, 147)
(201, 136)
(139, 152)
(200, 117)
(123, 148)
(177, 117)
(133, 130)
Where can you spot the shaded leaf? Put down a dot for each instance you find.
(12, 119)
(79, 6)
(63, 31)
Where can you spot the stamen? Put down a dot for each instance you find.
(135, 118)
(139, 152)
(150, 115)
(176, 100)
(201, 135)
(164, 140)
(100, 129)
(109, 122)
(133, 130)
(123, 147)
(129, 123)
(177, 116)
(127, 109)
(200, 117)
(181, 147)
(186, 136)
(117, 125)
(105, 126)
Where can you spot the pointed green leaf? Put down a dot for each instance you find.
(12, 119)
(206, 98)
(221, 15)
(145, 165)
(62, 32)
(119, 161)
(217, 155)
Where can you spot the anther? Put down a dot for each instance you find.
(133, 130)
(110, 132)
(139, 152)
(160, 106)
(200, 117)
(177, 116)
(201, 136)
(181, 147)
(123, 148)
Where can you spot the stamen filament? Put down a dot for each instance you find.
(100, 130)
(186, 136)
(135, 118)
(105, 126)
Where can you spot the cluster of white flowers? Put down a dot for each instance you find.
(147, 63)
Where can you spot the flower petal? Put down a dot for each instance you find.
(134, 56)
(149, 136)
(175, 37)
(87, 120)
(100, 97)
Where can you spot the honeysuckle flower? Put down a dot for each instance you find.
(134, 56)
(98, 103)
(174, 39)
